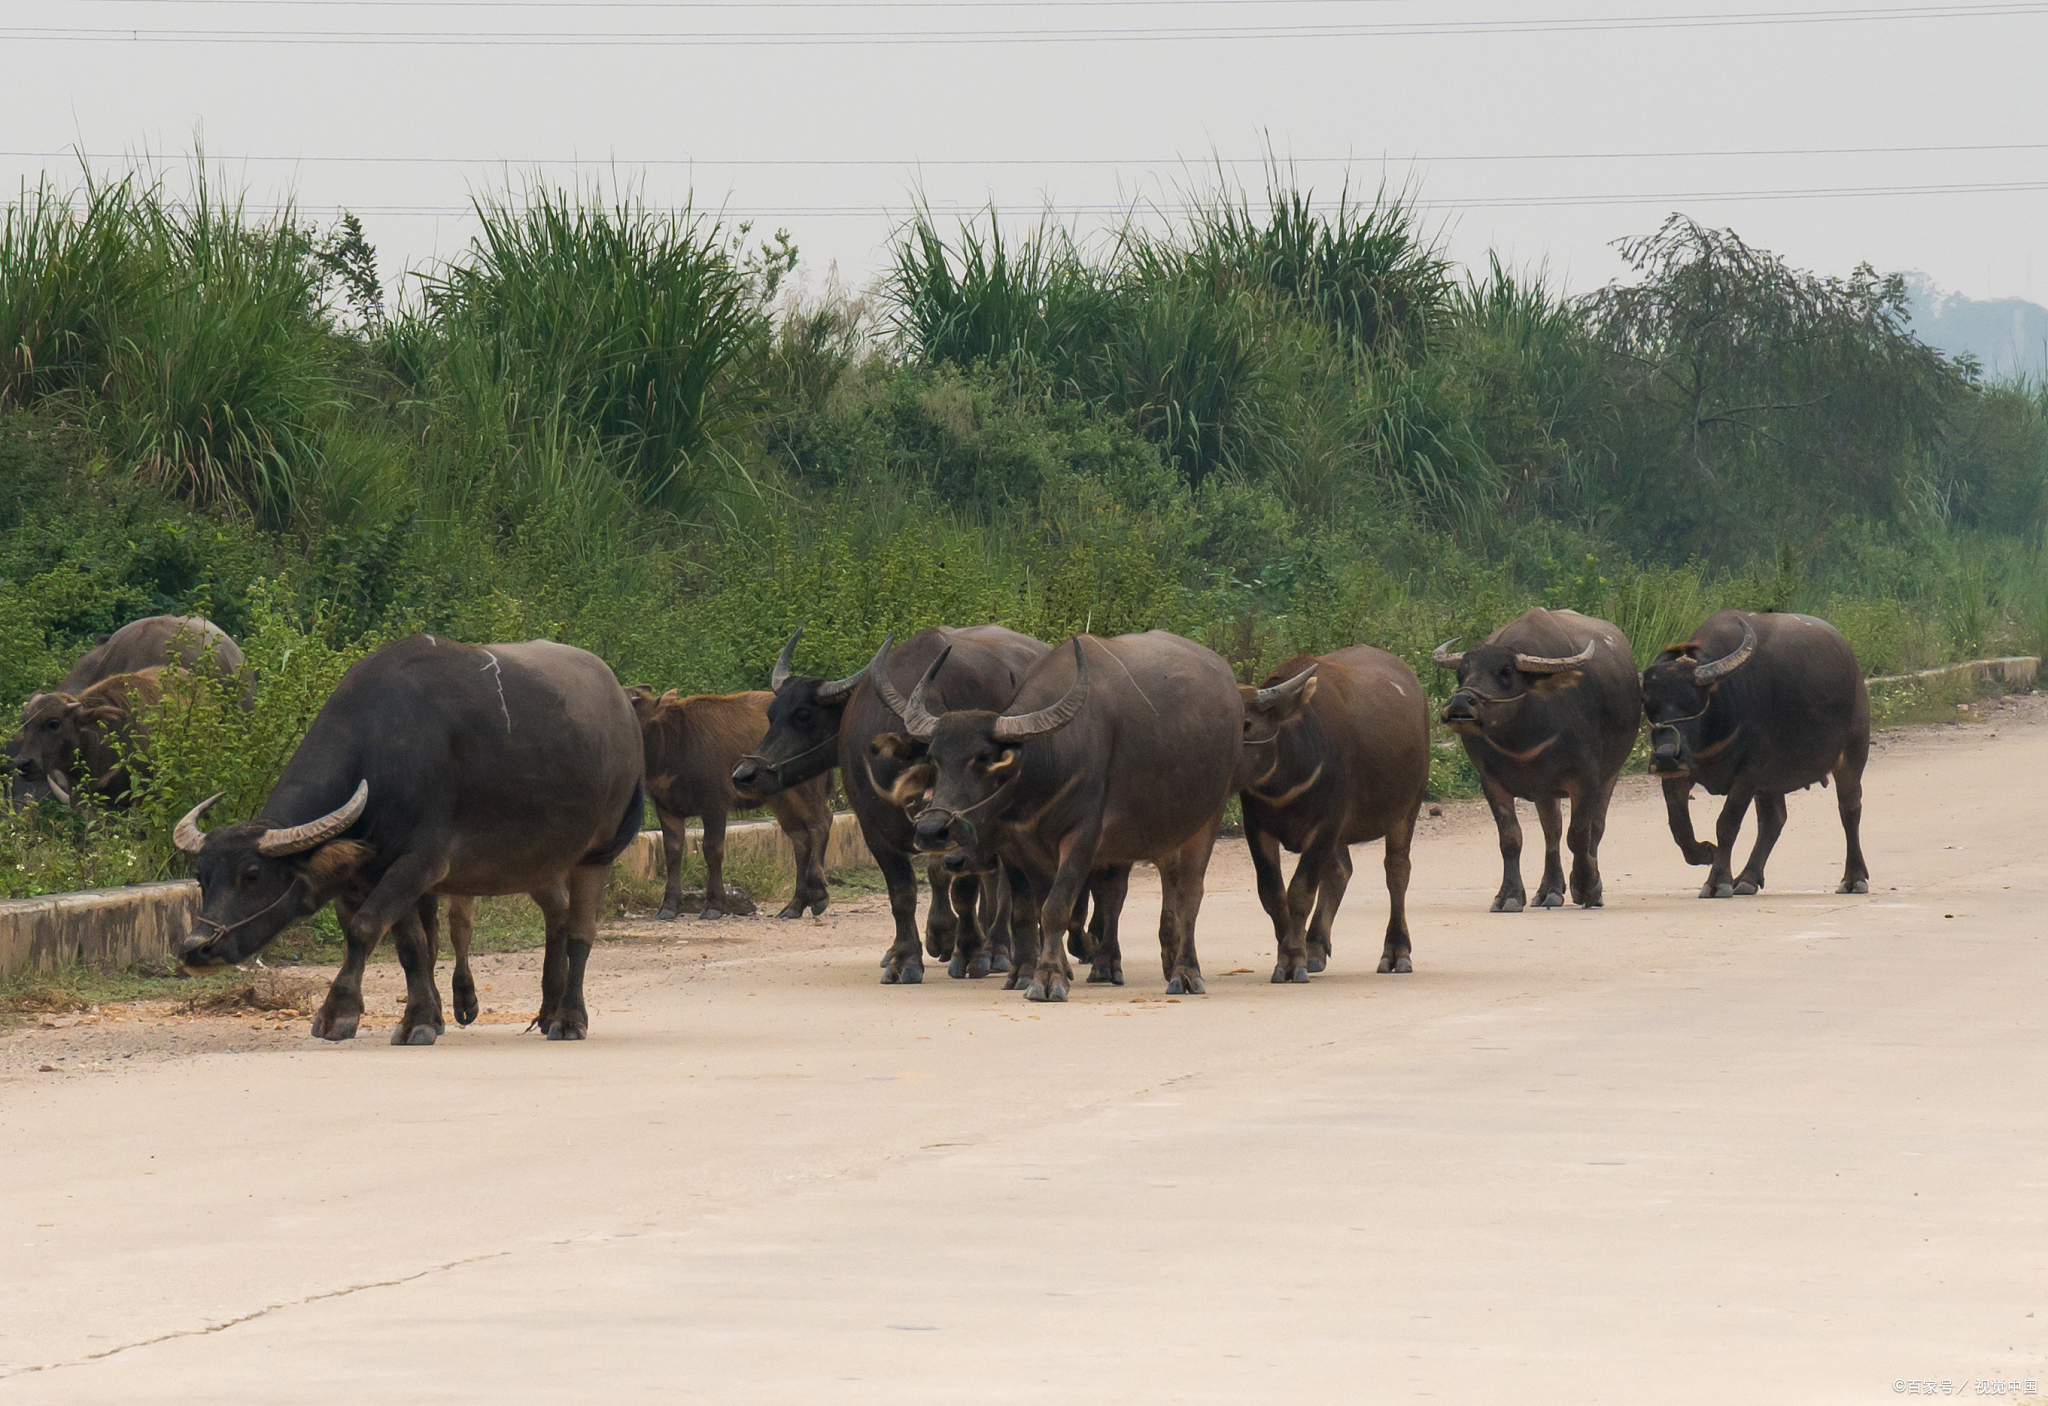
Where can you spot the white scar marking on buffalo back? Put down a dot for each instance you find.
(499, 675)
(1127, 672)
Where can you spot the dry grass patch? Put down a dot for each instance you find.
(259, 991)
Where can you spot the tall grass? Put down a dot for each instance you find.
(631, 325)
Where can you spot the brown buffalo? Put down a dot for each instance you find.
(816, 724)
(83, 744)
(691, 746)
(1112, 752)
(1548, 709)
(1336, 753)
(1751, 707)
(189, 642)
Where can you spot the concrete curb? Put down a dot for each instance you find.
(2017, 669)
(112, 929)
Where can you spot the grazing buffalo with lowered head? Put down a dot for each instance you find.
(691, 746)
(1751, 707)
(1112, 752)
(817, 724)
(435, 768)
(189, 642)
(1548, 710)
(83, 744)
(1335, 755)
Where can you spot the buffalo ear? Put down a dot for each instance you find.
(1001, 764)
(912, 784)
(898, 746)
(334, 862)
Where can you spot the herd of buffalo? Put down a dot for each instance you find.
(1033, 778)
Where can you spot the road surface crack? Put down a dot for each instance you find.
(227, 1323)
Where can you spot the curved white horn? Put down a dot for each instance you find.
(1536, 664)
(1728, 663)
(299, 838)
(1281, 692)
(1026, 726)
(920, 719)
(1444, 658)
(188, 836)
(784, 660)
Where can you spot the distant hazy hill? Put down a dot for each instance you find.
(2008, 335)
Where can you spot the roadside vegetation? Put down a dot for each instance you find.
(1285, 423)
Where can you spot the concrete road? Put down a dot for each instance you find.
(1791, 1148)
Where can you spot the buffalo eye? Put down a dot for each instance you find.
(51, 724)
(801, 716)
(249, 875)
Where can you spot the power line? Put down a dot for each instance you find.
(1184, 208)
(1106, 161)
(732, 4)
(923, 37)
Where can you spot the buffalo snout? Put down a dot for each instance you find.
(196, 951)
(934, 832)
(747, 778)
(1462, 708)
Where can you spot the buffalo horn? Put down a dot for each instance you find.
(188, 836)
(299, 838)
(918, 718)
(1531, 664)
(55, 780)
(878, 676)
(1443, 656)
(838, 690)
(783, 661)
(1281, 692)
(1721, 668)
(1024, 727)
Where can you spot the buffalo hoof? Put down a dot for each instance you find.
(1745, 888)
(1055, 990)
(1317, 961)
(957, 968)
(818, 906)
(559, 1031)
(1103, 974)
(1288, 974)
(1000, 962)
(666, 915)
(1190, 985)
(341, 1027)
(710, 913)
(1711, 889)
(1550, 900)
(421, 1035)
(791, 910)
(465, 1011)
(1506, 904)
(906, 975)
(979, 966)
(1396, 966)
(1854, 886)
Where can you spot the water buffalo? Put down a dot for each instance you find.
(435, 768)
(1548, 710)
(82, 744)
(1111, 752)
(189, 642)
(1336, 753)
(815, 724)
(1751, 707)
(691, 746)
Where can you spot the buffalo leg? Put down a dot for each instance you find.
(1190, 867)
(1397, 955)
(396, 897)
(716, 904)
(461, 925)
(805, 816)
(553, 902)
(1027, 897)
(1678, 810)
(1550, 892)
(672, 861)
(998, 910)
(1512, 895)
(1052, 976)
(1271, 877)
(1107, 890)
(970, 947)
(1720, 883)
(586, 892)
(941, 923)
(1589, 823)
(903, 963)
(1770, 823)
(421, 1022)
(1299, 904)
(1334, 878)
(1849, 798)
(342, 1012)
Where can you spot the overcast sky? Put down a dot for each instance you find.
(1502, 117)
